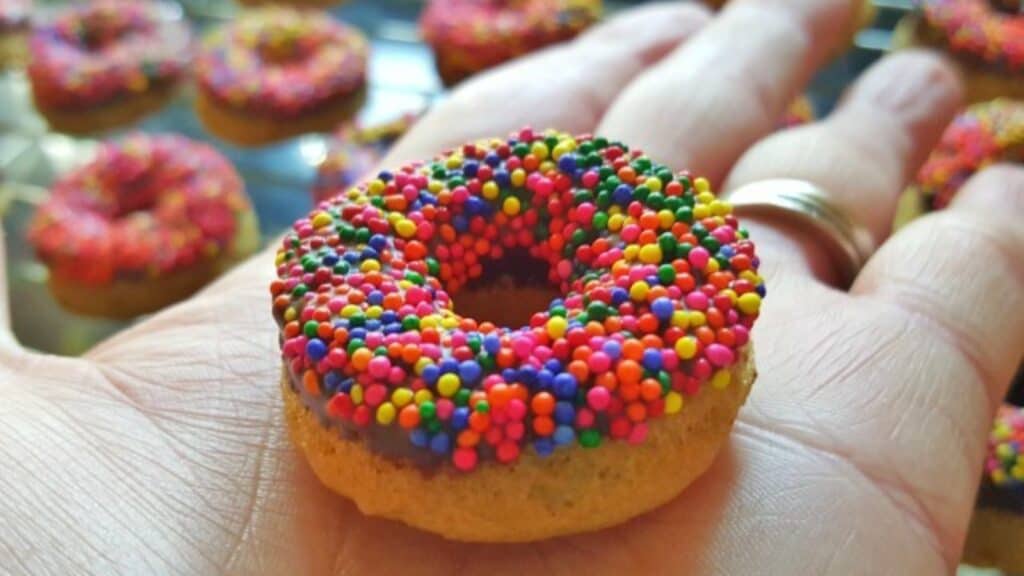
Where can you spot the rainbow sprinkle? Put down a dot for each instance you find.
(1005, 464)
(982, 135)
(353, 151)
(95, 53)
(145, 206)
(977, 29)
(659, 284)
(282, 61)
(478, 35)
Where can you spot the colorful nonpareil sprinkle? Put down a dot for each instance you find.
(94, 53)
(282, 61)
(353, 151)
(1005, 462)
(483, 34)
(978, 29)
(15, 14)
(982, 135)
(145, 206)
(659, 285)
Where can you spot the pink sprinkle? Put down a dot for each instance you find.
(598, 398)
(464, 459)
(599, 362)
(696, 301)
(720, 355)
(638, 433)
(699, 258)
(584, 418)
(445, 407)
(375, 395)
(515, 409)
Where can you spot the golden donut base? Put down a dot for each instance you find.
(983, 83)
(249, 129)
(123, 299)
(122, 111)
(996, 539)
(573, 490)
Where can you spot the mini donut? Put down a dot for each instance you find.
(997, 529)
(146, 223)
(981, 135)
(278, 72)
(469, 36)
(985, 37)
(15, 22)
(353, 151)
(635, 289)
(106, 63)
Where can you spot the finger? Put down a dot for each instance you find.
(962, 269)
(714, 96)
(864, 154)
(566, 87)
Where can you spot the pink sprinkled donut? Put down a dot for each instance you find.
(147, 222)
(106, 63)
(986, 38)
(277, 72)
(469, 36)
(636, 289)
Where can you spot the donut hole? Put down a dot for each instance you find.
(510, 291)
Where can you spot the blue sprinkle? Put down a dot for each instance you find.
(544, 446)
(565, 386)
(378, 241)
(376, 298)
(565, 412)
(528, 375)
(346, 385)
(385, 176)
(470, 372)
(419, 437)
(388, 317)
(509, 375)
(440, 443)
(545, 378)
(316, 349)
(449, 366)
(492, 344)
(372, 325)
(359, 333)
(460, 418)
(619, 295)
(553, 365)
(612, 348)
(652, 359)
(329, 260)
(368, 253)
(430, 374)
(564, 435)
(469, 169)
(461, 223)
(567, 163)
(662, 308)
(331, 381)
(623, 194)
(492, 159)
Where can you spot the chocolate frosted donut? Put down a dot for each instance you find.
(637, 288)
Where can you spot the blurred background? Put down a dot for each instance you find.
(402, 79)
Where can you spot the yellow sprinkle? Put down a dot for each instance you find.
(721, 379)
(615, 222)
(638, 291)
(290, 314)
(448, 385)
(666, 219)
(280, 258)
(369, 266)
(629, 253)
(510, 206)
(422, 363)
(490, 190)
(423, 395)
(374, 312)
(680, 319)
(557, 327)
(386, 413)
(654, 184)
(349, 310)
(453, 161)
(650, 254)
(719, 208)
(712, 266)
(701, 185)
(405, 228)
(356, 392)
(686, 347)
(401, 396)
(705, 197)
(673, 402)
(518, 177)
(449, 322)
(322, 219)
(376, 187)
(430, 321)
(701, 211)
(697, 318)
(435, 186)
(540, 150)
(749, 303)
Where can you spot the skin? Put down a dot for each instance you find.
(163, 450)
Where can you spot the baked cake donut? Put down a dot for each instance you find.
(15, 22)
(982, 135)
(105, 63)
(353, 151)
(985, 38)
(278, 72)
(997, 529)
(146, 223)
(602, 390)
(469, 36)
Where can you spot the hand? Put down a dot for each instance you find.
(163, 450)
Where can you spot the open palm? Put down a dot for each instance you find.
(164, 449)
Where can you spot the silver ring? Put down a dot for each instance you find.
(849, 246)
